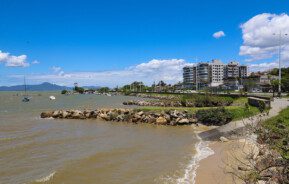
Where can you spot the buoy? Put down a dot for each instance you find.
(52, 98)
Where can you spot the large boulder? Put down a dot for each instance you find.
(104, 117)
(167, 117)
(56, 114)
(120, 117)
(46, 114)
(140, 113)
(151, 119)
(93, 114)
(64, 114)
(77, 114)
(223, 139)
(183, 121)
(161, 121)
(174, 114)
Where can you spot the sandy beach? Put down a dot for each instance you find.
(217, 168)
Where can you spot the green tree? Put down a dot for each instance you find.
(79, 89)
(275, 84)
(64, 92)
(104, 90)
(249, 84)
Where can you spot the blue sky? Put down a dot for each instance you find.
(79, 41)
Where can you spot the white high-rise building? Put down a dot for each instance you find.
(216, 73)
(212, 74)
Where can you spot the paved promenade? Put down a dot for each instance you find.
(276, 106)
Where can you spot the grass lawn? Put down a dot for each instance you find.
(238, 112)
(279, 125)
(240, 101)
(237, 108)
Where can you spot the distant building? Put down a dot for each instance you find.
(259, 83)
(232, 84)
(189, 76)
(203, 75)
(243, 71)
(216, 73)
(232, 70)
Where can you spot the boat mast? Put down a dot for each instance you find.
(24, 85)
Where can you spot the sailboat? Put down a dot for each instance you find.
(25, 97)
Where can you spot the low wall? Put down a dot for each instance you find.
(256, 102)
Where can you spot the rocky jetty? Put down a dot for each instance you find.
(155, 96)
(154, 103)
(172, 117)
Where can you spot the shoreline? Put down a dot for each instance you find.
(218, 168)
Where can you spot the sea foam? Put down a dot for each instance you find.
(202, 151)
(46, 178)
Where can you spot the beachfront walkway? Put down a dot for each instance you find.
(276, 106)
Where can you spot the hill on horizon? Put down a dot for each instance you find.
(45, 86)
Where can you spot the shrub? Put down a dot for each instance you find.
(64, 92)
(261, 106)
(213, 101)
(275, 132)
(79, 89)
(214, 116)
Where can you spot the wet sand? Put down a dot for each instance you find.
(216, 168)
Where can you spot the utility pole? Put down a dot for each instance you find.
(279, 58)
(197, 85)
(196, 61)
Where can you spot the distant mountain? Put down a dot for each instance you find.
(46, 86)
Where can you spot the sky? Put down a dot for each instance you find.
(114, 42)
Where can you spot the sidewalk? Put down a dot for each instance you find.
(276, 106)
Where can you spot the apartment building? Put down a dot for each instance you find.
(216, 72)
(243, 71)
(203, 75)
(232, 70)
(189, 76)
(212, 74)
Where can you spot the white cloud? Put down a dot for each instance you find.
(169, 70)
(55, 69)
(219, 34)
(262, 66)
(259, 41)
(35, 62)
(13, 61)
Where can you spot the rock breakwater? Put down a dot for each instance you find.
(171, 117)
(154, 103)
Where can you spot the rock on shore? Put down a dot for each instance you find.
(263, 165)
(172, 117)
(154, 103)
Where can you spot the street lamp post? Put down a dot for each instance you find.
(279, 58)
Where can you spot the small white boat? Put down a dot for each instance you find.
(26, 98)
(52, 98)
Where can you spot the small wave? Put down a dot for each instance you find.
(203, 151)
(39, 118)
(46, 178)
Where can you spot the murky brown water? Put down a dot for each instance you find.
(34, 150)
